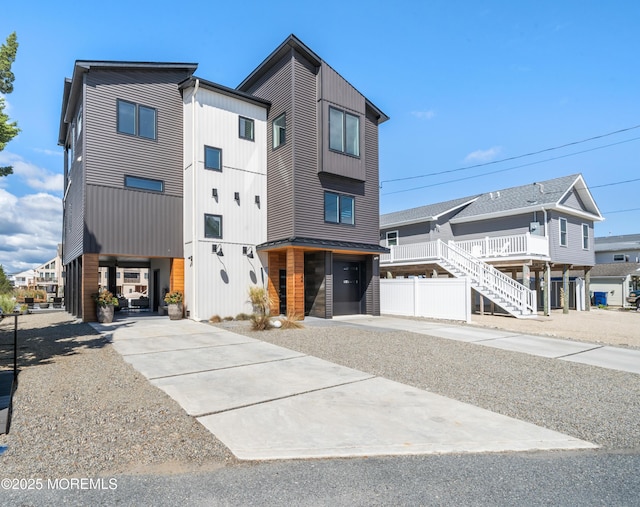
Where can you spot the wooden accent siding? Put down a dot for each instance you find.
(277, 261)
(90, 265)
(295, 282)
(176, 277)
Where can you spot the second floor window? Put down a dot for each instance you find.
(136, 120)
(344, 132)
(279, 130)
(392, 238)
(212, 226)
(339, 208)
(246, 128)
(144, 183)
(585, 236)
(563, 232)
(212, 158)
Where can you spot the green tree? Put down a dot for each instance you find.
(8, 129)
(5, 284)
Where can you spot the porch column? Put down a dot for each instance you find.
(526, 276)
(587, 289)
(295, 282)
(537, 285)
(565, 287)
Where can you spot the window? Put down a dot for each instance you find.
(144, 183)
(136, 120)
(212, 158)
(563, 232)
(79, 121)
(344, 132)
(212, 226)
(339, 209)
(246, 128)
(618, 258)
(392, 238)
(585, 236)
(279, 130)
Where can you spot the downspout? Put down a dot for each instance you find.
(193, 189)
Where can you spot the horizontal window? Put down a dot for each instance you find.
(344, 132)
(246, 126)
(212, 226)
(144, 183)
(339, 208)
(136, 120)
(212, 158)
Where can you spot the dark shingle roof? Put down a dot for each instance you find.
(618, 243)
(616, 269)
(423, 213)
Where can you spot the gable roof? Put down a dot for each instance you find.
(617, 243)
(426, 213)
(292, 42)
(618, 269)
(548, 195)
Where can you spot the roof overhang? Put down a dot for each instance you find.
(224, 90)
(322, 244)
(529, 209)
(428, 218)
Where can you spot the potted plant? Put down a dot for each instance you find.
(105, 305)
(174, 304)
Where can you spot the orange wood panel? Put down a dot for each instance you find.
(90, 266)
(295, 282)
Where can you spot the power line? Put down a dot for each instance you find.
(511, 168)
(510, 158)
(616, 183)
(620, 211)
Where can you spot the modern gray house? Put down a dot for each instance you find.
(164, 171)
(531, 234)
(322, 186)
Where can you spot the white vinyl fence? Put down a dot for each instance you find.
(434, 298)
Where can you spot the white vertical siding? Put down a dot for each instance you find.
(218, 285)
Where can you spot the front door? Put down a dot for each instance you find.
(348, 287)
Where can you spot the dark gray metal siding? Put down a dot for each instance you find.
(128, 222)
(110, 155)
(337, 92)
(276, 86)
(73, 225)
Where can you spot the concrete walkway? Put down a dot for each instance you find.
(268, 402)
(614, 358)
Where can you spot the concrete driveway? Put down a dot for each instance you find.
(267, 402)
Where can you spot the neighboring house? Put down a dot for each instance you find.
(214, 189)
(617, 269)
(24, 279)
(529, 232)
(49, 276)
(130, 282)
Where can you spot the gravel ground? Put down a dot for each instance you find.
(81, 410)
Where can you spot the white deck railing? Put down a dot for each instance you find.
(515, 245)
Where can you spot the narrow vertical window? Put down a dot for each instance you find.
(246, 126)
(126, 117)
(212, 158)
(563, 232)
(392, 238)
(279, 130)
(147, 122)
(585, 236)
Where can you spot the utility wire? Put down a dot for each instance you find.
(620, 211)
(611, 184)
(511, 168)
(510, 158)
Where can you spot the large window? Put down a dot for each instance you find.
(136, 120)
(212, 226)
(563, 232)
(144, 183)
(339, 208)
(212, 158)
(279, 130)
(344, 132)
(585, 236)
(246, 126)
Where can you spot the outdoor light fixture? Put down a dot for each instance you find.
(214, 193)
(236, 196)
(219, 251)
(248, 251)
(258, 200)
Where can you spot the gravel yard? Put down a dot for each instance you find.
(81, 410)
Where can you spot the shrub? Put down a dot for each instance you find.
(215, 319)
(260, 322)
(292, 321)
(228, 318)
(243, 316)
(173, 297)
(260, 299)
(7, 303)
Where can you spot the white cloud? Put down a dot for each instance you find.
(480, 156)
(35, 177)
(424, 115)
(52, 153)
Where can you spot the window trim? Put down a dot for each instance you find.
(136, 120)
(241, 132)
(560, 232)
(208, 168)
(128, 184)
(397, 238)
(339, 209)
(280, 129)
(585, 238)
(205, 225)
(345, 114)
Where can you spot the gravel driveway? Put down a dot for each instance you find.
(80, 410)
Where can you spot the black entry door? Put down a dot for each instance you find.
(348, 287)
(282, 291)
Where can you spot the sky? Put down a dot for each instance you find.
(470, 87)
